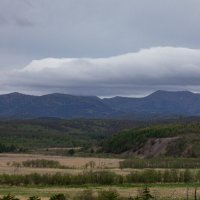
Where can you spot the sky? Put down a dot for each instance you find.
(99, 47)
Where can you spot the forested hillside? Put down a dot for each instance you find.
(52, 132)
(177, 139)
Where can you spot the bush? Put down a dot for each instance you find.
(34, 198)
(42, 163)
(9, 197)
(85, 195)
(58, 197)
(71, 152)
(108, 195)
(146, 195)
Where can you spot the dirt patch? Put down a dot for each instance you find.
(155, 147)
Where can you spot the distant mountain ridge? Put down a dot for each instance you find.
(160, 103)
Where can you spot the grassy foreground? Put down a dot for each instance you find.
(161, 191)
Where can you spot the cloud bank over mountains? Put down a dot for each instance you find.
(132, 74)
(99, 47)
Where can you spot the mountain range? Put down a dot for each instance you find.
(157, 104)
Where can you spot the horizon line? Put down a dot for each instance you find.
(101, 97)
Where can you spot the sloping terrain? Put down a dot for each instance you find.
(51, 132)
(159, 103)
(155, 147)
(181, 139)
(16, 105)
(124, 137)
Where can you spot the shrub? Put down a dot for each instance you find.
(146, 195)
(9, 197)
(85, 195)
(71, 152)
(108, 195)
(58, 197)
(34, 198)
(42, 163)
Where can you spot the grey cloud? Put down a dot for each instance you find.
(15, 13)
(3, 21)
(28, 3)
(23, 22)
(34, 30)
(97, 28)
(127, 74)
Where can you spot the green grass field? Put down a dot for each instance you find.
(162, 191)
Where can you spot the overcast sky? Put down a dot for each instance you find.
(99, 47)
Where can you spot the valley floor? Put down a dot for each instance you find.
(76, 165)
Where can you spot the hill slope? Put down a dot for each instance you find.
(18, 105)
(180, 139)
(51, 132)
(160, 102)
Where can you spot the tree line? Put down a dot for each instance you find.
(7, 148)
(163, 162)
(103, 178)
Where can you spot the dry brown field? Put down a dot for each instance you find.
(75, 164)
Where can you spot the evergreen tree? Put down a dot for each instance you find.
(146, 195)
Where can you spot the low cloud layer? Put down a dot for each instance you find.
(131, 74)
